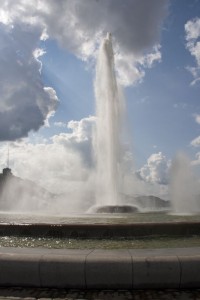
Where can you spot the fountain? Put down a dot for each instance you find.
(107, 143)
(108, 150)
(107, 129)
(127, 269)
(108, 154)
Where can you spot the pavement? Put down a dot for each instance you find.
(69, 294)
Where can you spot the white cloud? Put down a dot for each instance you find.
(25, 103)
(80, 25)
(57, 164)
(128, 70)
(131, 68)
(38, 52)
(149, 59)
(79, 140)
(196, 162)
(195, 142)
(156, 170)
(197, 118)
(60, 124)
(192, 29)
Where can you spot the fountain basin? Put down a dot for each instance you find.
(96, 268)
(88, 269)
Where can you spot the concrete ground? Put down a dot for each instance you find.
(61, 294)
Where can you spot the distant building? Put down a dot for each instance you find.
(7, 172)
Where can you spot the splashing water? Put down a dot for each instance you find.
(108, 112)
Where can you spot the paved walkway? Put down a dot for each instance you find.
(60, 294)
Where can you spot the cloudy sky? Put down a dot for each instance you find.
(48, 51)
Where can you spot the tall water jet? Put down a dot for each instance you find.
(108, 112)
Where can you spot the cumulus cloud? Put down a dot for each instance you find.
(25, 103)
(135, 23)
(65, 163)
(80, 139)
(192, 29)
(196, 161)
(80, 25)
(197, 118)
(131, 68)
(137, 183)
(195, 142)
(156, 170)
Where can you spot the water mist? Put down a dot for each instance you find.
(183, 187)
(108, 112)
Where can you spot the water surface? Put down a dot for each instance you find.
(149, 217)
(56, 243)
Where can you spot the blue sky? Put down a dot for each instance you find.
(162, 103)
(72, 81)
